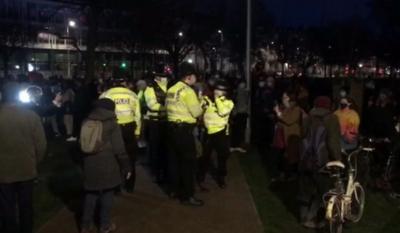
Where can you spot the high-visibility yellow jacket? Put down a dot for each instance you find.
(216, 116)
(127, 106)
(155, 109)
(182, 104)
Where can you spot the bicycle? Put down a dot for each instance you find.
(345, 204)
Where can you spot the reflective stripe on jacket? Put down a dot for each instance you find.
(216, 117)
(127, 106)
(153, 97)
(182, 104)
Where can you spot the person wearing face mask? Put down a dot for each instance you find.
(183, 110)
(154, 98)
(290, 117)
(216, 121)
(349, 124)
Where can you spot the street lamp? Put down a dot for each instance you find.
(180, 34)
(71, 24)
(222, 42)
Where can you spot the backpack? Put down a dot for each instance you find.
(91, 136)
(314, 152)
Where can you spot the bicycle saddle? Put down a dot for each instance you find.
(335, 165)
(368, 149)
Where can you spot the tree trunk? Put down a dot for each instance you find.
(92, 43)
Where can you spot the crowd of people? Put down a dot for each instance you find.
(299, 134)
(183, 121)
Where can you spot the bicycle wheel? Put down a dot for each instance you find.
(334, 215)
(356, 207)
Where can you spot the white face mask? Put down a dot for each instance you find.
(343, 94)
(218, 93)
(163, 80)
(286, 103)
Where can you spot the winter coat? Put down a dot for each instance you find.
(103, 170)
(22, 143)
(333, 131)
(291, 121)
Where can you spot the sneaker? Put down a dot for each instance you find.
(109, 229)
(233, 149)
(313, 225)
(192, 201)
(241, 150)
(71, 139)
(203, 188)
(309, 224)
(221, 183)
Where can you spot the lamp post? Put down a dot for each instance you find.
(221, 33)
(71, 24)
(248, 67)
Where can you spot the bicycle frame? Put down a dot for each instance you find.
(343, 195)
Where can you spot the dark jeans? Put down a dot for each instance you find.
(239, 129)
(105, 200)
(182, 159)
(128, 134)
(157, 148)
(16, 207)
(312, 186)
(263, 133)
(275, 161)
(220, 143)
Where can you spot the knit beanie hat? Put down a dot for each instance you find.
(105, 104)
(323, 102)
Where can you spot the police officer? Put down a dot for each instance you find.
(127, 109)
(216, 119)
(154, 96)
(183, 109)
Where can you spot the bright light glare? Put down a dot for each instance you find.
(190, 61)
(72, 23)
(361, 65)
(24, 97)
(180, 34)
(220, 31)
(30, 67)
(17, 67)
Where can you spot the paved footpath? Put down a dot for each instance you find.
(148, 210)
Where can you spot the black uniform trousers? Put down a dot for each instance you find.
(158, 148)
(16, 207)
(128, 134)
(182, 159)
(239, 129)
(220, 143)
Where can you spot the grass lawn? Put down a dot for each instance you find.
(277, 205)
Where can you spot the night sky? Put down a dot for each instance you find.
(295, 13)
